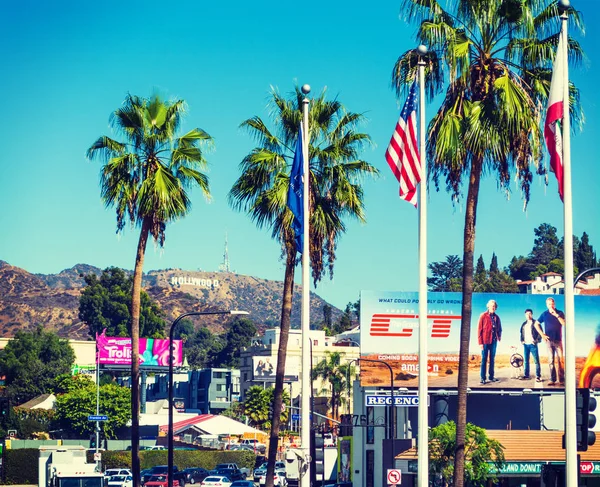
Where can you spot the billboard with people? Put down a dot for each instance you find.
(265, 367)
(516, 340)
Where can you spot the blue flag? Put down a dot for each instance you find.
(296, 194)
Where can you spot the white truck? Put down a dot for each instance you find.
(66, 466)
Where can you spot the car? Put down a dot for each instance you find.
(119, 481)
(216, 481)
(254, 444)
(163, 470)
(193, 475)
(231, 473)
(160, 480)
(243, 483)
(110, 472)
(279, 467)
(278, 479)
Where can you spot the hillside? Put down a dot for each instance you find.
(52, 300)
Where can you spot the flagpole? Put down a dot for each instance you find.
(305, 419)
(569, 352)
(423, 438)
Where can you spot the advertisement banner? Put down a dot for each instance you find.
(389, 330)
(154, 352)
(264, 368)
(344, 471)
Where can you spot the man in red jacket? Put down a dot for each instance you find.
(489, 332)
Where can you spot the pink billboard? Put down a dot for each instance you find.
(154, 352)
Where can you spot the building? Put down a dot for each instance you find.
(552, 283)
(258, 362)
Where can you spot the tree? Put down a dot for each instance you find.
(546, 246)
(147, 178)
(332, 371)
(442, 273)
(480, 280)
(483, 455)
(335, 194)
(494, 264)
(496, 55)
(240, 333)
(72, 408)
(105, 304)
(31, 361)
(202, 349)
(584, 257)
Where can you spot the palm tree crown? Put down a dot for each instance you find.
(147, 176)
(336, 173)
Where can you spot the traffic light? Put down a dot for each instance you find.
(585, 405)
(271, 411)
(346, 425)
(4, 407)
(93, 441)
(319, 463)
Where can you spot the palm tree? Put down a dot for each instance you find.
(497, 55)
(147, 178)
(335, 193)
(331, 370)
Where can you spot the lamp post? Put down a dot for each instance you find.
(173, 326)
(391, 434)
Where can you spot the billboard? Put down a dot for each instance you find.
(154, 352)
(389, 330)
(264, 368)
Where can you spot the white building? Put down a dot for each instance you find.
(553, 283)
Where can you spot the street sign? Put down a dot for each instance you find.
(97, 457)
(394, 476)
(295, 417)
(93, 417)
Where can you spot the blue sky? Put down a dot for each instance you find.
(67, 65)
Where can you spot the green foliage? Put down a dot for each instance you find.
(257, 404)
(239, 335)
(482, 454)
(73, 408)
(235, 411)
(105, 304)
(333, 372)
(21, 465)
(443, 273)
(31, 362)
(202, 349)
(545, 245)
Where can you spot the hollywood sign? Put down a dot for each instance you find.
(194, 281)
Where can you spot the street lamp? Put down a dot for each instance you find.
(391, 434)
(173, 326)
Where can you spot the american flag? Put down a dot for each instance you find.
(403, 153)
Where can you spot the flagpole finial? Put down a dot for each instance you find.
(422, 50)
(563, 5)
(306, 89)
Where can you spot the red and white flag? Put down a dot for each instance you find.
(402, 154)
(555, 113)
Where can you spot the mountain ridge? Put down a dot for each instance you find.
(52, 300)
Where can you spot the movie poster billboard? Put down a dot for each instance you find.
(265, 367)
(389, 330)
(153, 352)
(344, 470)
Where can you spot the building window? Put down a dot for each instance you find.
(218, 375)
(370, 429)
(221, 387)
(370, 474)
(315, 342)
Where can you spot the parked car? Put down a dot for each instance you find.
(160, 480)
(278, 479)
(243, 483)
(110, 472)
(262, 470)
(164, 470)
(119, 481)
(254, 444)
(231, 473)
(216, 481)
(193, 475)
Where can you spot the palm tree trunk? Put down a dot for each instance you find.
(465, 326)
(284, 331)
(135, 351)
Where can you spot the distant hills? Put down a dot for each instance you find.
(52, 300)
